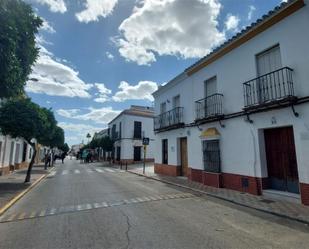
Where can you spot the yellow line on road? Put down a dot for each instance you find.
(20, 195)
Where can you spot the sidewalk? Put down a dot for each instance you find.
(13, 184)
(285, 209)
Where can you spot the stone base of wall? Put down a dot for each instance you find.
(131, 161)
(165, 169)
(212, 179)
(195, 175)
(248, 184)
(4, 170)
(304, 193)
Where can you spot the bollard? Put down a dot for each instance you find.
(126, 166)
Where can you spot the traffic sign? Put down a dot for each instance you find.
(146, 141)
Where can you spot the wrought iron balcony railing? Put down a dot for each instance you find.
(273, 87)
(171, 118)
(209, 107)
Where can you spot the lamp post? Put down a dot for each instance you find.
(88, 137)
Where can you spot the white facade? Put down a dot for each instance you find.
(125, 138)
(13, 152)
(242, 147)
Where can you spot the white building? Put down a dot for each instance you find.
(239, 117)
(14, 154)
(128, 129)
(76, 148)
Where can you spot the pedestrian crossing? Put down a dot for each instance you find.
(83, 171)
(90, 206)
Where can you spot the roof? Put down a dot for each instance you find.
(142, 111)
(266, 21)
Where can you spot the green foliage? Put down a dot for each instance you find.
(22, 118)
(18, 52)
(65, 148)
(106, 143)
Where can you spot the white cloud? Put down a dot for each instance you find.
(109, 55)
(56, 79)
(98, 115)
(142, 90)
(169, 27)
(95, 9)
(104, 93)
(232, 22)
(251, 11)
(47, 27)
(76, 133)
(54, 5)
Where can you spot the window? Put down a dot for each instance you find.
(164, 151)
(163, 107)
(0, 148)
(120, 130)
(210, 86)
(137, 129)
(268, 61)
(176, 101)
(114, 133)
(210, 103)
(211, 156)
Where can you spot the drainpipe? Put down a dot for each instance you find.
(4, 150)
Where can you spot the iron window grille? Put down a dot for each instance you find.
(211, 156)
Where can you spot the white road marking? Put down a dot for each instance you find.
(110, 170)
(99, 170)
(76, 171)
(53, 173)
(64, 172)
(89, 170)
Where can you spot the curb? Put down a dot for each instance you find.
(306, 222)
(20, 195)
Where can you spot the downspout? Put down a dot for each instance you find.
(254, 158)
(4, 150)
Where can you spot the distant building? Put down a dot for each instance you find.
(128, 129)
(76, 148)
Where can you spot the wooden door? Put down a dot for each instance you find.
(184, 156)
(137, 153)
(281, 159)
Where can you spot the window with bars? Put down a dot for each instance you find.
(211, 156)
(164, 151)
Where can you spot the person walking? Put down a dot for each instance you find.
(63, 155)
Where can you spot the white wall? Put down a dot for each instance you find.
(127, 142)
(241, 143)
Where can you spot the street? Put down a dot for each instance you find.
(97, 206)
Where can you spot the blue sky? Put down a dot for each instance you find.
(98, 57)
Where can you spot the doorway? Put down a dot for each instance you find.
(281, 159)
(118, 153)
(137, 153)
(184, 156)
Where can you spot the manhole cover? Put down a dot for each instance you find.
(267, 201)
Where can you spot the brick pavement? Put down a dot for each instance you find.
(281, 208)
(12, 184)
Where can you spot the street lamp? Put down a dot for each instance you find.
(88, 137)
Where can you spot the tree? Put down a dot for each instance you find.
(23, 118)
(18, 52)
(65, 148)
(106, 143)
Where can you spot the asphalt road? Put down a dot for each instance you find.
(95, 206)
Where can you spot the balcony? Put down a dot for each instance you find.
(273, 88)
(209, 108)
(169, 120)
